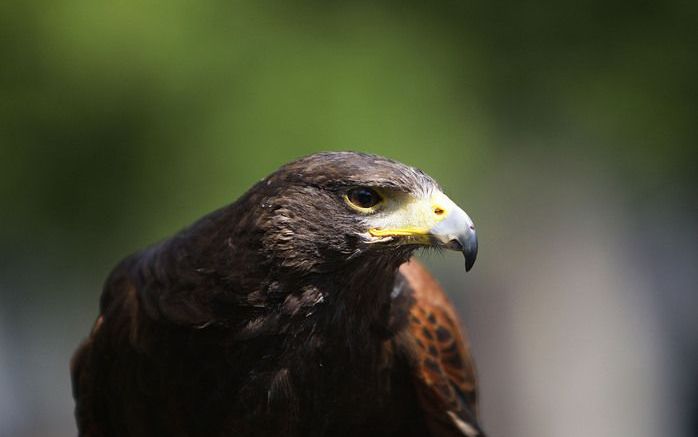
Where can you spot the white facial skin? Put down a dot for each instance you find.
(423, 218)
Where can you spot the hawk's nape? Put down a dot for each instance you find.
(293, 311)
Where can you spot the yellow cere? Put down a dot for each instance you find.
(398, 232)
(405, 215)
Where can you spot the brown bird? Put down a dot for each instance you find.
(294, 311)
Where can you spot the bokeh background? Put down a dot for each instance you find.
(568, 130)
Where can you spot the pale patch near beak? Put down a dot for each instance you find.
(433, 219)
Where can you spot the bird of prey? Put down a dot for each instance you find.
(294, 311)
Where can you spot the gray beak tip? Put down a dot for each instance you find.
(469, 261)
(468, 245)
(469, 250)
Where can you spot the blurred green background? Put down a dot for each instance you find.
(568, 131)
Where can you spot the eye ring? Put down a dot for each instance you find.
(363, 199)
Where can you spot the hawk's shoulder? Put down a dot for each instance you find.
(443, 370)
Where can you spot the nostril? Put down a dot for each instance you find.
(472, 227)
(438, 211)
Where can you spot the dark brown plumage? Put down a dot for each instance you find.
(293, 311)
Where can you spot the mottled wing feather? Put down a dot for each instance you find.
(444, 372)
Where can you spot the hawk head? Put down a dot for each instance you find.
(325, 209)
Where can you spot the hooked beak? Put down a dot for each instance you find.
(434, 220)
(457, 232)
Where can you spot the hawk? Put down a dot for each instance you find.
(296, 310)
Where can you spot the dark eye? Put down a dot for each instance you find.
(363, 197)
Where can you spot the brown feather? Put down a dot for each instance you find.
(271, 317)
(444, 372)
